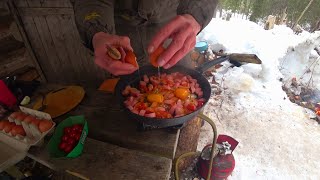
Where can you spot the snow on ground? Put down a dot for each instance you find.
(277, 138)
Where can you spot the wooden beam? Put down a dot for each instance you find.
(44, 11)
(25, 38)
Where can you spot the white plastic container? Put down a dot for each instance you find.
(14, 148)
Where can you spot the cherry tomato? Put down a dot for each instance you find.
(65, 138)
(200, 103)
(67, 130)
(78, 136)
(73, 134)
(68, 148)
(77, 128)
(62, 145)
(163, 114)
(155, 55)
(131, 58)
(191, 107)
(71, 142)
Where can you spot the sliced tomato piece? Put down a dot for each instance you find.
(140, 106)
(163, 114)
(191, 107)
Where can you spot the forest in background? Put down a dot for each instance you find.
(258, 10)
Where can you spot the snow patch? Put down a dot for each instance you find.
(277, 138)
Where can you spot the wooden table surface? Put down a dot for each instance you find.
(101, 160)
(151, 152)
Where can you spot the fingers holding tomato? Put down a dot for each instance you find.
(182, 30)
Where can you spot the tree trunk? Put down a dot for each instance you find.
(316, 26)
(304, 11)
(283, 17)
(220, 9)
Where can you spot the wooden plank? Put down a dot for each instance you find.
(28, 38)
(5, 22)
(43, 3)
(78, 54)
(10, 57)
(63, 47)
(105, 161)
(57, 3)
(94, 74)
(20, 3)
(109, 123)
(51, 63)
(29, 75)
(44, 11)
(86, 66)
(9, 44)
(12, 66)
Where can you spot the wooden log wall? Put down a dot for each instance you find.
(53, 35)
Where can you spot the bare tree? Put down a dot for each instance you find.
(304, 11)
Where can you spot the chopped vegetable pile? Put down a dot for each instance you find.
(171, 95)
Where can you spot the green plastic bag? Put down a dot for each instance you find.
(53, 145)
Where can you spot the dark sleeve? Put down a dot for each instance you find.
(201, 10)
(93, 16)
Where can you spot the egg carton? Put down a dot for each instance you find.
(33, 136)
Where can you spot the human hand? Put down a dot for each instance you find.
(183, 30)
(101, 41)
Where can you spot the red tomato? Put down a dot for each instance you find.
(140, 106)
(163, 114)
(71, 142)
(77, 128)
(200, 103)
(73, 134)
(65, 138)
(62, 145)
(143, 88)
(78, 136)
(67, 130)
(68, 149)
(191, 107)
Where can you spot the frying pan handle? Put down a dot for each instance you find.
(215, 134)
(205, 66)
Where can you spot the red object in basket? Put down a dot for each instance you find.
(6, 96)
